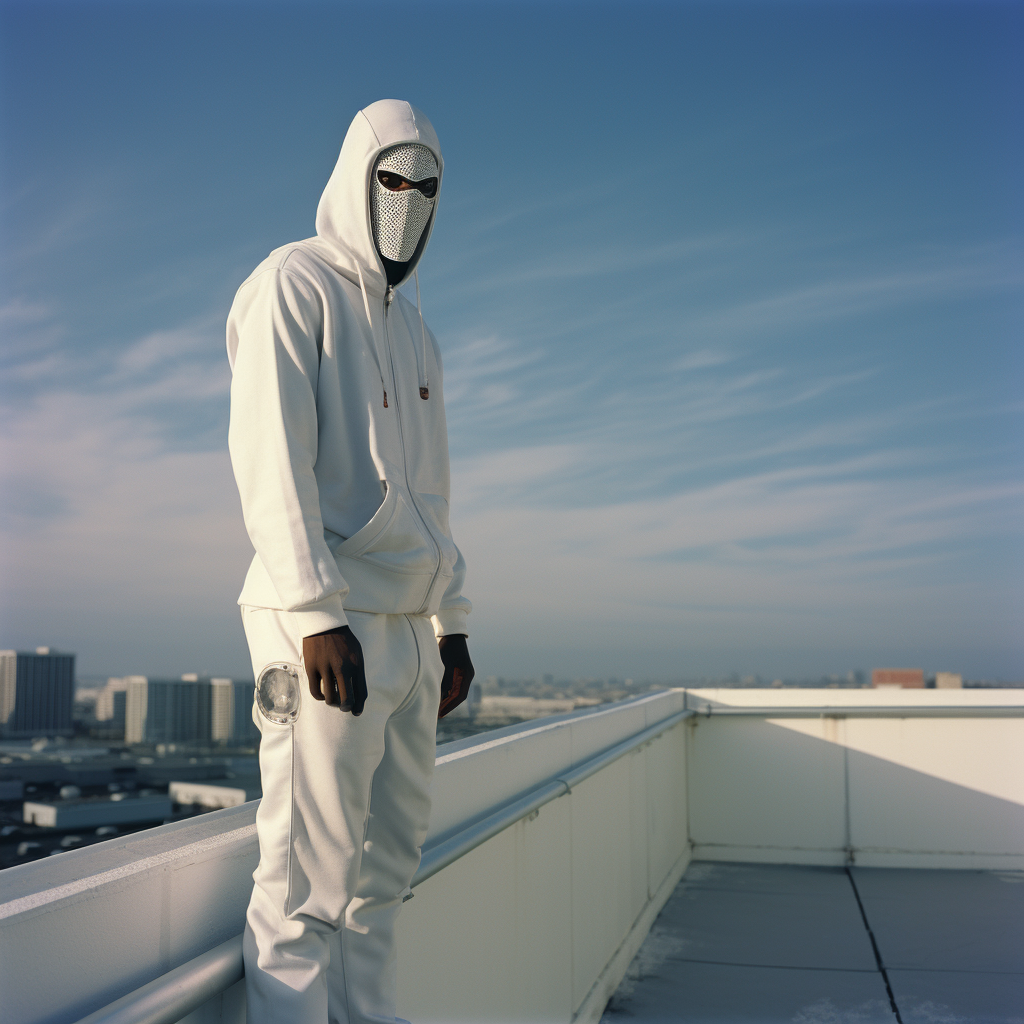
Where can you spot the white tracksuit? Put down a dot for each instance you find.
(342, 468)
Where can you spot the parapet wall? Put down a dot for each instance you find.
(932, 783)
(540, 921)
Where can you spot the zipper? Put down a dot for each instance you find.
(369, 320)
(388, 298)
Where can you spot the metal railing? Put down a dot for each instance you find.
(167, 999)
(866, 711)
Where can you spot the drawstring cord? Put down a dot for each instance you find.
(369, 319)
(424, 383)
(421, 362)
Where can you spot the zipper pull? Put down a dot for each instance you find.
(389, 295)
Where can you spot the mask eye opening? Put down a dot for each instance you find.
(395, 182)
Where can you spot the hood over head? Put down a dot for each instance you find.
(344, 231)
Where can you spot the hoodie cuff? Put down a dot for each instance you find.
(326, 614)
(449, 621)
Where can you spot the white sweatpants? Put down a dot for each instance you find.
(344, 812)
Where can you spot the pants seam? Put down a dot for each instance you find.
(417, 678)
(291, 817)
(344, 913)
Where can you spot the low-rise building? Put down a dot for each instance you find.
(898, 678)
(217, 793)
(88, 812)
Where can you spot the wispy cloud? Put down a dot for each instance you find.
(724, 492)
(19, 312)
(987, 270)
(65, 214)
(721, 487)
(833, 542)
(701, 359)
(120, 508)
(587, 260)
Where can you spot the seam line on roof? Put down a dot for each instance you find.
(769, 967)
(875, 949)
(956, 970)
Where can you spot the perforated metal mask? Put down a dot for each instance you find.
(399, 218)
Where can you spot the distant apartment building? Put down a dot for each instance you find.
(137, 695)
(189, 710)
(168, 710)
(37, 693)
(231, 715)
(898, 678)
(112, 703)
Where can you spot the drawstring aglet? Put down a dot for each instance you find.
(424, 387)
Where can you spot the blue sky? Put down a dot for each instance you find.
(729, 297)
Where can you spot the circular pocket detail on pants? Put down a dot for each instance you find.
(277, 693)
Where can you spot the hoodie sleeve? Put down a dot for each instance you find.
(451, 616)
(274, 334)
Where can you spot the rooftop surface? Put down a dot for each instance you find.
(818, 945)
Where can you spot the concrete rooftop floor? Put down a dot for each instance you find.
(814, 945)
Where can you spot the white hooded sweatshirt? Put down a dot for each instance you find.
(341, 464)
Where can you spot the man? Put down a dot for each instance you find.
(340, 450)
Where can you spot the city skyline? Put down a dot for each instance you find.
(728, 297)
(860, 677)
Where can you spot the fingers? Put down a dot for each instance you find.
(352, 672)
(356, 683)
(458, 672)
(340, 685)
(314, 682)
(334, 668)
(462, 682)
(339, 696)
(313, 669)
(447, 684)
(468, 673)
(455, 694)
(322, 684)
(312, 663)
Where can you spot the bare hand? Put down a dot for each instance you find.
(458, 672)
(334, 668)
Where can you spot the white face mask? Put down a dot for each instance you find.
(399, 217)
